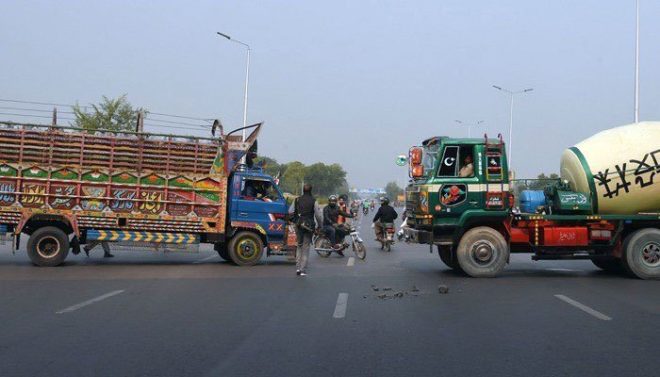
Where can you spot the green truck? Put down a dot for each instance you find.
(462, 201)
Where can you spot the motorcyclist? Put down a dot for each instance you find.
(385, 214)
(365, 206)
(331, 227)
(343, 206)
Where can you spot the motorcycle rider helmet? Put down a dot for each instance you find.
(332, 200)
(384, 200)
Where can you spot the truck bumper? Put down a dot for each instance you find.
(418, 236)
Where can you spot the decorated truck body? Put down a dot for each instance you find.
(605, 207)
(66, 187)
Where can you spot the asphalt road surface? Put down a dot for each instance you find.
(153, 314)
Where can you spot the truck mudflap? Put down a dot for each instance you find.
(418, 236)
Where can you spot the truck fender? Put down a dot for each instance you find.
(68, 221)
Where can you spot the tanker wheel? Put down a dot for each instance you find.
(612, 265)
(223, 251)
(48, 246)
(641, 253)
(482, 252)
(444, 251)
(246, 248)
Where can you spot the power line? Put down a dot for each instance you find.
(84, 106)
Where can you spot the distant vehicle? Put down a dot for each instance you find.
(66, 187)
(606, 207)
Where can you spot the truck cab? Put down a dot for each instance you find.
(455, 182)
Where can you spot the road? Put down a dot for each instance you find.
(154, 314)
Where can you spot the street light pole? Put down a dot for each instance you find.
(247, 77)
(637, 62)
(469, 125)
(511, 94)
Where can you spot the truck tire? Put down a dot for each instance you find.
(482, 252)
(641, 253)
(222, 250)
(246, 248)
(444, 251)
(48, 246)
(612, 265)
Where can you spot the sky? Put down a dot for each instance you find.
(351, 82)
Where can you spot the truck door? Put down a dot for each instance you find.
(259, 204)
(457, 183)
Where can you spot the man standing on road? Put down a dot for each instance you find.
(304, 211)
(385, 214)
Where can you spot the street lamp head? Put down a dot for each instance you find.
(458, 121)
(224, 35)
(479, 122)
(528, 90)
(497, 87)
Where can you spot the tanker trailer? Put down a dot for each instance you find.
(616, 169)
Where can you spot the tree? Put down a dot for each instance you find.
(541, 181)
(325, 179)
(270, 166)
(293, 177)
(392, 190)
(111, 114)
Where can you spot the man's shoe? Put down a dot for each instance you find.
(108, 255)
(298, 272)
(303, 273)
(341, 253)
(86, 250)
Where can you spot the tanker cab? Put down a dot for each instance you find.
(456, 187)
(257, 202)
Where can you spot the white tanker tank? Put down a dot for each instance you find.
(618, 168)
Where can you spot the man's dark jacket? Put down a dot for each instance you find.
(386, 214)
(331, 215)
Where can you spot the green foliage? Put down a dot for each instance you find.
(270, 166)
(292, 178)
(541, 181)
(325, 179)
(392, 190)
(111, 114)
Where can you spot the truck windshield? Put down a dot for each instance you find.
(429, 158)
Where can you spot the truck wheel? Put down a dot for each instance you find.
(641, 253)
(444, 251)
(245, 249)
(482, 252)
(612, 265)
(222, 250)
(48, 246)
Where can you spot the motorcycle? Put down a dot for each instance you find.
(386, 238)
(365, 211)
(324, 248)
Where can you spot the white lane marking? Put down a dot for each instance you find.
(340, 308)
(351, 262)
(584, 308)
(89, 302)
(561, 269)
(205, 259)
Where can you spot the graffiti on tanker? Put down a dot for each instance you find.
(6, 188)
(151, 201)
(34, 195)
(123, 200)
(621, 176)
(63, 196)
(91, 203)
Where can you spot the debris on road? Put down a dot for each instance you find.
(387, 288)
(443, 289)
(374, 288)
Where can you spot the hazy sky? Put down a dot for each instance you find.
(353, 82)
